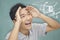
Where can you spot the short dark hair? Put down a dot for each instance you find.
(14, 9)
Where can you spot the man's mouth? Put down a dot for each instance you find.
(28, 23)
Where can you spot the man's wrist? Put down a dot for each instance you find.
(18, 22)
(39, 16)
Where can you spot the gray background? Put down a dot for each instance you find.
(6, 23)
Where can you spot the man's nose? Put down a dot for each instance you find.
(28, 17)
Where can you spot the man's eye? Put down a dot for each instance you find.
(22, 16)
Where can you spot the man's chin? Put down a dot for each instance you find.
(28, 27)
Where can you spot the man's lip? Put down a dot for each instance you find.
(27, 23)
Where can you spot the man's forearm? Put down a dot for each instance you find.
(52, 23)
(14, 32)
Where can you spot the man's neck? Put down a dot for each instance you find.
(25, 32)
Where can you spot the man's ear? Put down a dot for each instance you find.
(14, 21)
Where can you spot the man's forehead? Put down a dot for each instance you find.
(23, 11)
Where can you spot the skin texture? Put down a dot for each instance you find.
(25, 15)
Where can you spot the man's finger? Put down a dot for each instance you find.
(18, 10)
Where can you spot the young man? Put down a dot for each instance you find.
(24, 29)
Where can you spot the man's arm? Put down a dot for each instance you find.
(52, 24)
(14, 32)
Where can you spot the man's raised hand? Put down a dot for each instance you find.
(18, 18)
(35, 12)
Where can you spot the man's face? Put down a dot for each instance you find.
(26, 19)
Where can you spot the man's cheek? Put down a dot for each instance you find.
(23, 20)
